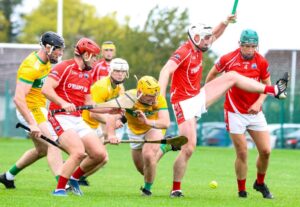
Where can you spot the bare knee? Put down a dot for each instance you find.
(78, 156)
(41, 151)
(149, 158)
(242, 155)
(265, 153)
(188, 151)
(98, 156)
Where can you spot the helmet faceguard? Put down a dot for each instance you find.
(203, 32)
(54, 41)
(119, 64)
(88, 47)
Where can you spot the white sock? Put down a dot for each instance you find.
(9, 176)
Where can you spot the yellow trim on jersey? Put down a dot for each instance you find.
(151, 113)
(101, 91)
(34, 71)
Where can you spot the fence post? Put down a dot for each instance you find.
(281, 117)
(6, 121)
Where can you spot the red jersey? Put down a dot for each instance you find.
(100, 70)
(237, 100)
(73, 85)
(186, 80)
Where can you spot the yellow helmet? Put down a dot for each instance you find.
(148, 85)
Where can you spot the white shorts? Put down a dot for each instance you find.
(45, 112)
(133, 136)
(239, 123)
(72, 122)
(190, 108)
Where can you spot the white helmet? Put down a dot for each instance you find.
(199, 29)
(119, 64)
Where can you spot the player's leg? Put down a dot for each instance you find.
(236, 125)
(54, 155)
(262, 142)
(241, 165)
(71, 142)
(218, 87)
(137, 159)
(188, 129)
(28, 158)
(149, 154)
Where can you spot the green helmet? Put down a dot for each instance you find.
(249, 36)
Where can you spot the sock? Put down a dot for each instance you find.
(62, 182)
(14, 170)
(165, 148)
(57, 177)
(148, 186)
(270, 90)
(260, 178)
(82, 178)
(241, 185)
(78, 173)
(176, 185)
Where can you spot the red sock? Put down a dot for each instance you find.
(242, 185)
(270, 90)
(260, 178)
(78, 173)
(176, 185)
(62, 182)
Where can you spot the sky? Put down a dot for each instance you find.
(275, 21)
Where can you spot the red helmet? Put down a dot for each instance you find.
(86, 45)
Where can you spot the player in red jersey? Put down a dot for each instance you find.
(67, 86)
(188, 101)
(243, 109)
(101, 68)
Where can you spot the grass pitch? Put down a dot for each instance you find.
(118, 183)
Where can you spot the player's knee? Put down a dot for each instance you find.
(188, 151)
(78, 156)
(265, 153)
(242, 155)
(98, 156)
(41, 151)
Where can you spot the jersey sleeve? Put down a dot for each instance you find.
(179, 55)
(28, 74)
(220, 64)
(57, 72)
(264, 73)
(99, 93)
(162, 103)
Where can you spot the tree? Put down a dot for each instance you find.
(8, 28)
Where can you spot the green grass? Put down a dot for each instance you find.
(118, 183)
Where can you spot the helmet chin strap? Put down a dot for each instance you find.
(87, 67)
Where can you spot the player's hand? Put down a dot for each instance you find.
(231, 18)
(113, 139)
(119, 124)
(35, 131)
(69, 107)
(255, 108)
(141, 116)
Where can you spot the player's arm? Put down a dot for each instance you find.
(22, 89)
(220, 28)
(110, 130)
(212, 74)
(89, 101)
(257, 105)
(162, 121)
(164, 75)
(48, 90)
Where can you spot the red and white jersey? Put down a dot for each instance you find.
(100, 70)
(186, 80)
(237, 100)
(74, 84)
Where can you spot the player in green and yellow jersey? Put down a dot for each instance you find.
(31, 105)
(148, 119)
